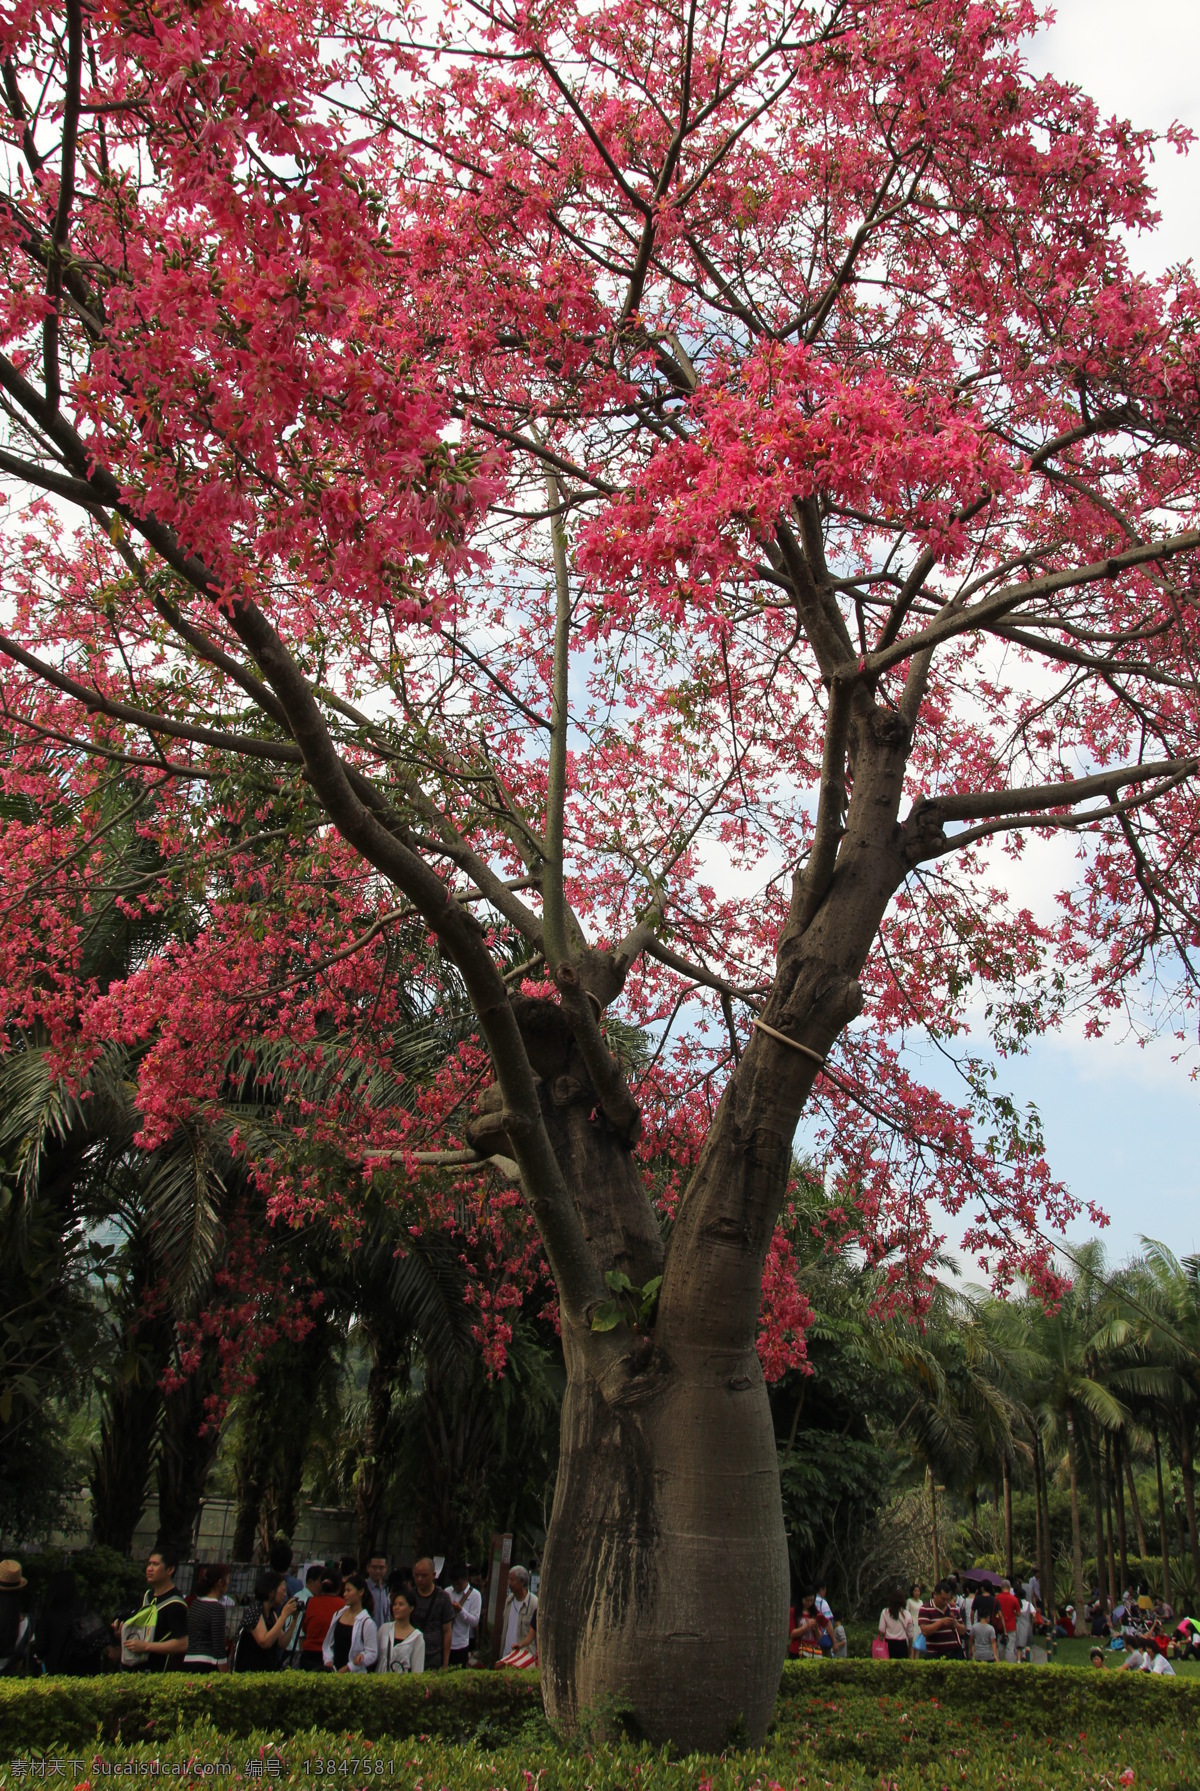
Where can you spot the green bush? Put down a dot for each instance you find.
(39, 1715)
(848, 1726)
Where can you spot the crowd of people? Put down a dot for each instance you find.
(338, 1617)
(972, 1620)
(332, 1617)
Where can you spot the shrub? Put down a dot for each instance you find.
(39, 1715)
(855, 1726)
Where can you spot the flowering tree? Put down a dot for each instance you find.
(496, 472)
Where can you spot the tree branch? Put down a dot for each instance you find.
(998, 810)
(953, 621)
(808, 890)
(66, 195)
(554, 919)
(245, 745)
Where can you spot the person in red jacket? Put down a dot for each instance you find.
(319, 1613)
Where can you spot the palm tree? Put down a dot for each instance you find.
(1070, 1390)
(1170, 1333)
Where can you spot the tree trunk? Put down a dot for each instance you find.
(1118, 1487)
(933, 1523)
(1076, 1540)
(121, 1462)
(665, 1568)
(187, 1450)
(1135, 1505)
(374, 1469)
(249, 1503)
(667, 1551)
(1008, 1525)
(1106, 1474)
(1162, 1518)
(1038, 1538)
(1095, 1469)
(1046, 1564)
(131, 1402)
(1188, 1473)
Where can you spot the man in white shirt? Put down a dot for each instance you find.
(468, 1605)
(1147, 1659)
(519, 1609)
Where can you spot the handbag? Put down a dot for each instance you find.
(879, 1649)
(139, 1628)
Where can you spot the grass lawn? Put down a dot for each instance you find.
(845, 1726)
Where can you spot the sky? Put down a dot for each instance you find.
(1122, 1122)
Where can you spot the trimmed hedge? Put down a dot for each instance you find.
(848, 1726)
(39, 1715)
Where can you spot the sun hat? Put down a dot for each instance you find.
(11, 1577)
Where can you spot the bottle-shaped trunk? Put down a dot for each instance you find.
(665, 1577)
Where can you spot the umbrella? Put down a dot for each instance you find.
(982, 1576)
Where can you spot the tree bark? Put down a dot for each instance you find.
(1162, 1517)
(1076, 1540)
(667, 1550)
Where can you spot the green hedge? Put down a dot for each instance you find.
(38, 1715)
(849, 1726)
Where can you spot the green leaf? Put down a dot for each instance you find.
(619, 1281)
(650, 1296)
(608, 1316)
